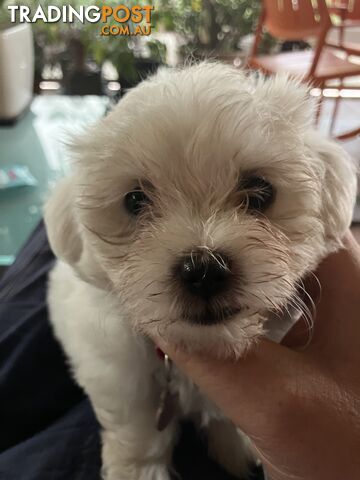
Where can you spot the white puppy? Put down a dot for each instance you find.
(194, 211)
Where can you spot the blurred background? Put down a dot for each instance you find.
(57, 78)
(75, 59)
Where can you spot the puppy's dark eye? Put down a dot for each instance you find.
(135, 201)
(260, 192)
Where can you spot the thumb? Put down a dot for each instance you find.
(247, 390)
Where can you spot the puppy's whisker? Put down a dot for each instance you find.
(298, 304)
(282, 472)
(155, 294)
(150, 322)
(150, 283)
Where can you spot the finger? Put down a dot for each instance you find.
(336, 272)
(247, 390)
(339, 277)
(300, 335)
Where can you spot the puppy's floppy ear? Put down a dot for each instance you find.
(286, 99)
(339, 186)
(289, 102)
(61, 225)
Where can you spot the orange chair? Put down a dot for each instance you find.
(349, 13)
(301, 20)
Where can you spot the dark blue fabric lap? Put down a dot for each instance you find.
(47, 428)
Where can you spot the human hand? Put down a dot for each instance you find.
(301, 408)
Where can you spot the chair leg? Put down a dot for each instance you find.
(319, 106)
(335, 111)
(347, 135)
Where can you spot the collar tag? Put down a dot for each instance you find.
(168, 403)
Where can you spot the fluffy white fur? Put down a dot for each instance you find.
(187, 137)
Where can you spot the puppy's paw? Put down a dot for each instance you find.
(134, 456)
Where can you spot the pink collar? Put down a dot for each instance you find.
(160, 353)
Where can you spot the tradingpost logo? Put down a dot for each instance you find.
(132, 20)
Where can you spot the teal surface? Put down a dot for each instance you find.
(38, 141)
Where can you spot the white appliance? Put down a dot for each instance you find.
(16, 70)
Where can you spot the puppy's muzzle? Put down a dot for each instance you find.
(204, 274)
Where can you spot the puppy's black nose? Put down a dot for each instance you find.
(205, 273)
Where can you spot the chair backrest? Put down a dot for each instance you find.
(296, 19)
(353, 10)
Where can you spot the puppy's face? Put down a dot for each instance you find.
(201, 202)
